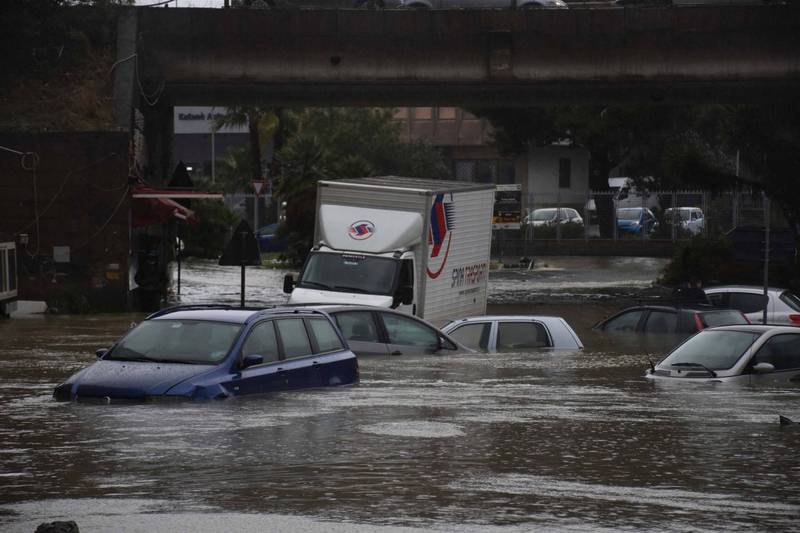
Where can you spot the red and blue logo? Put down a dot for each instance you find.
(440, 234)
(361, 229)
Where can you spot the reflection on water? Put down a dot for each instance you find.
(549, 441)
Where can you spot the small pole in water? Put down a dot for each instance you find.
(766, 256)
(243, 234)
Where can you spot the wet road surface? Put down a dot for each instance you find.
(545, 441)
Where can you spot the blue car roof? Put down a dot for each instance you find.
(224, 313)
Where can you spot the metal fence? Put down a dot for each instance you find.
(657, 217)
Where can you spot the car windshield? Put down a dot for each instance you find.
(717, 350)
(544, 214)
(629, 214)
(723, 318)
(349, 273)
(791, 299)
(177, 341)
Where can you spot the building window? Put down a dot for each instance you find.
(423, 113)
(446, 113)
(564, 172)
(400, 113)
(485, 170)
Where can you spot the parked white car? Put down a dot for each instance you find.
(783, 305)
(550, 216)
(753, 354)
(689, 219)
(513, 333)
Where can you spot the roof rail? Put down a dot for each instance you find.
(189, 307)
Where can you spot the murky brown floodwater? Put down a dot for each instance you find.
(512, 442)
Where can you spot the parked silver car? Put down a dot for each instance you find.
(688, 219)
(754, 354)
(513, 333)
(550, 216)
(783, 306)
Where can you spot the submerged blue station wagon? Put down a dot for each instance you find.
(206, 352)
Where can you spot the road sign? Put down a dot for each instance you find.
(259, 186)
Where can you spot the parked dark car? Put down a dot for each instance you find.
(268, 240)
(673, 320)
(209, 352)
(381, 331)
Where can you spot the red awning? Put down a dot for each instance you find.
(156, 206)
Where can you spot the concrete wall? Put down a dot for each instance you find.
(74, 211)
(543, 175)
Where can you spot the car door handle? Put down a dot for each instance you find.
(397, 352)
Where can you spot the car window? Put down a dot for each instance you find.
(357, 326)
(513, 336)
(624, 322)
(402, 330)
(781, 351)
(262, 341)
(723, 318)
(293, 337)
(791, 299)
(327, 339)
(180, 341)
(718, 299)
(717, 350)
(661, 322)
(746, 302)
(473, 336)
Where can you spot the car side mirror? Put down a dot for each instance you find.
(763, 368)
(252, 360)
(100, 352)
(288, 283)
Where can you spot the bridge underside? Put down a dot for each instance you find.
(469, 57)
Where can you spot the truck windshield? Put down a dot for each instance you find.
(349, 273)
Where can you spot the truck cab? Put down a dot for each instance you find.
(333, 276)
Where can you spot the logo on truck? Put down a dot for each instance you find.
(440, 234)
(360, 230)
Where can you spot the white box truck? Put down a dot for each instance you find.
(419, 246)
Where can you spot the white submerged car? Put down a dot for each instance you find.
(513, 333)
(754, 354)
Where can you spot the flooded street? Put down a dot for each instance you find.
(545, 441)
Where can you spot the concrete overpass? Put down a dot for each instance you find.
(486, 57)
(455, 57)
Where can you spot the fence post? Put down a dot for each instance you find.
(705, 214)
(673, 230)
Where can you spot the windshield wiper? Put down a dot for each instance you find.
(350, 289)
(704, 367)
(314, 284)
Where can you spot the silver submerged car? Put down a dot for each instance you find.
(783, 306)
(753, 354)
(513, 333)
